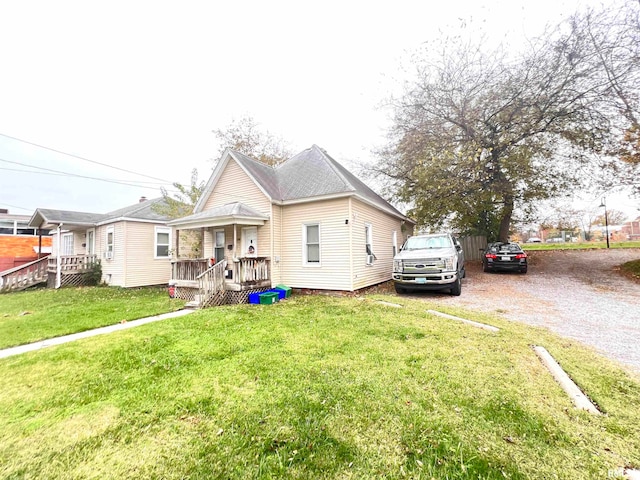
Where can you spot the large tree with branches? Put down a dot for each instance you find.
(478, 136)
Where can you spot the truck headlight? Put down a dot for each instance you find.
(449, 262)
(397, 266)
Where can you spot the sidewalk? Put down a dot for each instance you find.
(9, 352)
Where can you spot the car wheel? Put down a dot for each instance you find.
(400, 289)
(523, 270)
(456, 290)
(485, 267)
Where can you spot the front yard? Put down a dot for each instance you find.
(35, 315)
(314, 387)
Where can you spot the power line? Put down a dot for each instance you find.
(82, 158)
(58, 172)
(16, 206)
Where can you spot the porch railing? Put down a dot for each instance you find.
(248, 271)
(24, 276)
(189, 269)
(211, 282)
(72, 263)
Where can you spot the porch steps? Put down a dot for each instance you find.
(195, 303)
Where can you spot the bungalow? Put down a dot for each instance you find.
(132, 243)
(307, 223)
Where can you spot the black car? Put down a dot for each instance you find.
(504, 256)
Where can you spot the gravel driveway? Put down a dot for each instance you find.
(576, 293)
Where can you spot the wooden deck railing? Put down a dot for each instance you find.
(72, 263)
(24, 276)
(251, 270)
(188, 269)
(211, 282)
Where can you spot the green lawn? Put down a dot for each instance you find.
(34, 315)
(578, 245)
(314, 388)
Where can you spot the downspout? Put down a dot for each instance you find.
(58, 260)
(39, 243)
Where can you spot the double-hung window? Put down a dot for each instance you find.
(67, 244)
(109, 244)
(311, 244)
(368, 234)
(163, 242)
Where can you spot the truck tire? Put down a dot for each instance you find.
(400, 290)
(456, 290)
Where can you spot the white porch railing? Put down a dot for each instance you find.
(73, 263)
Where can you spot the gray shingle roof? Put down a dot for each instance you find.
(139, 211)
(230, 210)
(311, 173)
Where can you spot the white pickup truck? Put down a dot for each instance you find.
(429, 262)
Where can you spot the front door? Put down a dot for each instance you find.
(250, 242)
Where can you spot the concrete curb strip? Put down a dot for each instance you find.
(578, 398)
(463, 320)
(9, 352)
(389, 304)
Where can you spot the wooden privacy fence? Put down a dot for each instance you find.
(473, 247)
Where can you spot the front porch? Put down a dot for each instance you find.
(70, 270)
(203, 284)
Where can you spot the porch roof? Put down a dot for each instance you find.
(231, 213)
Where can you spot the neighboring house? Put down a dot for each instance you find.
(308, 222)
(132, 243)
(19, 243)
(631, 229)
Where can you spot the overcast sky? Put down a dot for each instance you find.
(140, 85)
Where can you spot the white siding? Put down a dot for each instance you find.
(383, 226)
(334, 272)
(234, 185)
(141, 267)
(276, 258)
(113, 270)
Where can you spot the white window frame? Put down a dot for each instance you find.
(305, 250)
(64, 250)
(109, 248)
(368, 242)
(158, 230)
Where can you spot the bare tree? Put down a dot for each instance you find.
(245, 136)
(478, 137)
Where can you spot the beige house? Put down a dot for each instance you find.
(307, 223)
(133, 244)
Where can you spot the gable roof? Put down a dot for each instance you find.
(142, 211)
(309, 175)
(235, 212)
